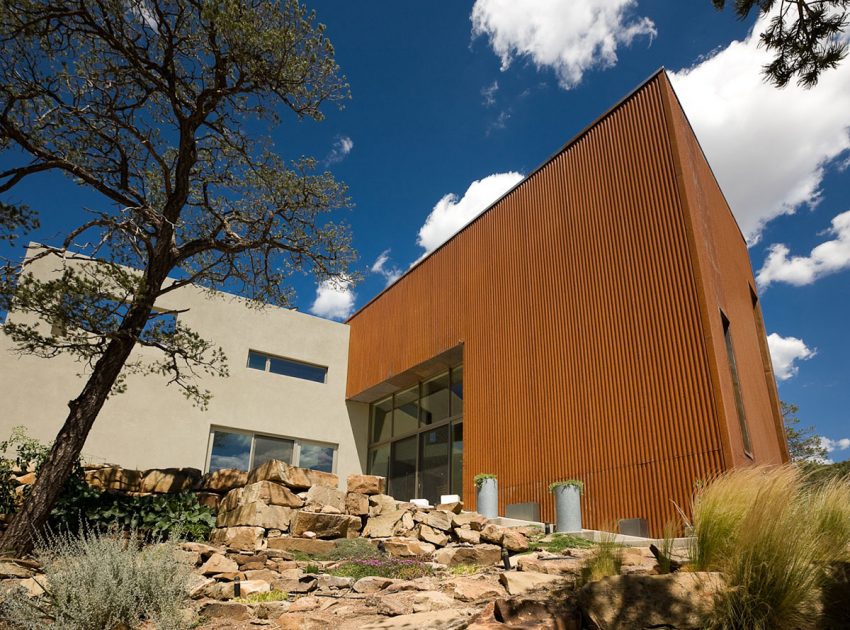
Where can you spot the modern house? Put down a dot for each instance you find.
(599, 321)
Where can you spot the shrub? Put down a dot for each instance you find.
(259, 598)
(480, 478)
(561, 542)
(464, 569)
(605, 561)
(396, 568)
(670, 532)
(572, 483)
(95, 581)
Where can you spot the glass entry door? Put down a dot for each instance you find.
(434, 464)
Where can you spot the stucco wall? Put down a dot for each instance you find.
(152, 425)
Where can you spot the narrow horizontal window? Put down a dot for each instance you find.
(287, 367)
(246, 450)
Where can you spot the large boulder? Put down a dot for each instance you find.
(438, 520)
(270, 493)
(379, 503)
(281, 472)
(523, 582)
(482, 555)
(514, 541)
(407, 547)
(322, 496)
(223, 480)
(446, 619)
(383, 525)
(474, 589)
(323, 525)
(167, 480)
(433, 536)
(678, 600)
(256, 515)
(218, 563)
(367, 484)
(469, 520)
(309, 546)
(357, 504)
(241, 538)
(114, 479)
(555, 565)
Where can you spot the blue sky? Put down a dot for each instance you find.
(448, 94)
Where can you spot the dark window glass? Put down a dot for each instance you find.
(434, 464)
(435, 400)
(457, 391)
(316, 457)
(457, 458)
(403, 469)
(736, 385)
(296, 369)
(382, 417)
(230, 450)
(406, 415)
(268, 448)
(379, 461)
(256, 360)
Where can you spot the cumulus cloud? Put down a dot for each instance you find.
(488, 93)
(831, 446)
(382, 266)
(785, 352)
(451, 214)
(567, 36)
(828, 257)
(341, 148)
(769, 148)
(334, 299)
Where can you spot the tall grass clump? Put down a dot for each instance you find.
(97, 581)
(773, 539)
(605, 561)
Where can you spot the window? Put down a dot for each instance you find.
(287, 367)
(736, 385)
(245, 450)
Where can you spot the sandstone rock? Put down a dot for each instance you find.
(438, 520)
(324, 496)
(323, 525)
(371, 584)
(469, 520)
(333, 582)
(357, 504)
(209, 499)
(303, 545)
(223, 480)
(394, 604)
(256, 515)
(454, 508)
(559, 613)
(271, 493)
(553, 565)
(433, 536)
(431, 600)
(320, 478)
(114, 478)
(198, 585)
(448, 619)
(482, 555)
(271, 610)
(523, 582)
(367, 484)
(259, 574)
(33, 586)
(407, 547)
(166, 480)
(192, 558)
(467, 536)
(227, 590)
(231, 611)
(493, 534)
(13, 570)
(383, 525)
(218, 563)
(281, 472)
(380, 503)
(476, 589)
(241, 538)
(301, 585)
(304, 604)
(205, 550)
(514, 541)
(640, 601)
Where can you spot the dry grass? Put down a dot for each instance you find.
(605, 561)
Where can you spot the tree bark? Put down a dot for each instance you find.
(21, 533)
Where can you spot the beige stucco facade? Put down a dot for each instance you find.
(155, 426)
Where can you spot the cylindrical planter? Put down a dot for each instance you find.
(567, 508)
(487, 498)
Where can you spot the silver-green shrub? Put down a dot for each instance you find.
(100, 581)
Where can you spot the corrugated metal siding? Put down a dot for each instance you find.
(576, 301)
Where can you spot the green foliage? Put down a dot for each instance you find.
(806, 36)
(804, 444)
(464, 569)
(344, 549)
(479, 479)
(574, 483)
(312, 568)
(557, 543)
(605, 561)
(95, 581)
(259, 598)
(818, 474)
(395, 568)
(670, 532)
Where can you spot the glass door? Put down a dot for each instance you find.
(434, 464)
(403, 469)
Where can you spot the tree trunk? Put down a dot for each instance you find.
(30, 519)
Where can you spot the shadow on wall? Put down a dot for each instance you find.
(358, 416)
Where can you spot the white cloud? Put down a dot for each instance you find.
(784, 352)
(569, 36)
(334, 299)
(831, 446)
(488, 92)
(451, 214)
(383, 267)
(828, 257)
(341, 148)
(769, 148)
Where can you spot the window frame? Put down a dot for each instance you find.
(268, 359)
(296, 446)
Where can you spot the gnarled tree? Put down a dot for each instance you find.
(149, 103)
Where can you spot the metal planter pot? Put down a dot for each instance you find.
(487, 498)
(567, 509)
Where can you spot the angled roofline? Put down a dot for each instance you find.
(660, 71)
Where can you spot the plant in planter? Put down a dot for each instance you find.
(487, 494)
(567, 504)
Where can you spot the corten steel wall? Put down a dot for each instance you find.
(577, 301)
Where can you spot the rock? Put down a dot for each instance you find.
(201, 548)
(467, 536)
(227, 590)
(448, 619)
(329, 509)
(260, 574)
(433, 536)
(454, 508)
(476, 589)
(469, 520)
(13, 570)
(303, 545)
(226, 610)
(559, 613)
(26, 479)
(523, 582)
(319, 478)
(305, 604)
(241, 538)
(383, 525)
(168, 480)
(357, 504)
(323, 525)
(281, 472)
(114, 478)
(209, 499)
(493, 534)
(481, 555)
(218, 563)
(198, 585)
(553, 566)
(676, 600)
(380, 503)
(271, 493)
(394, 604)
(367, 484)
(438, 520)
(405, 525)
(407, 547)
(514, 541)
(355, 524)
(223, 480)
(431, 600)
(33, 587)
(371, 584)
(333, 582)
(257, 515)
(301, 585)
(324, 496)
(271, 610)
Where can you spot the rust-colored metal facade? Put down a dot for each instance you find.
(586, 304)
